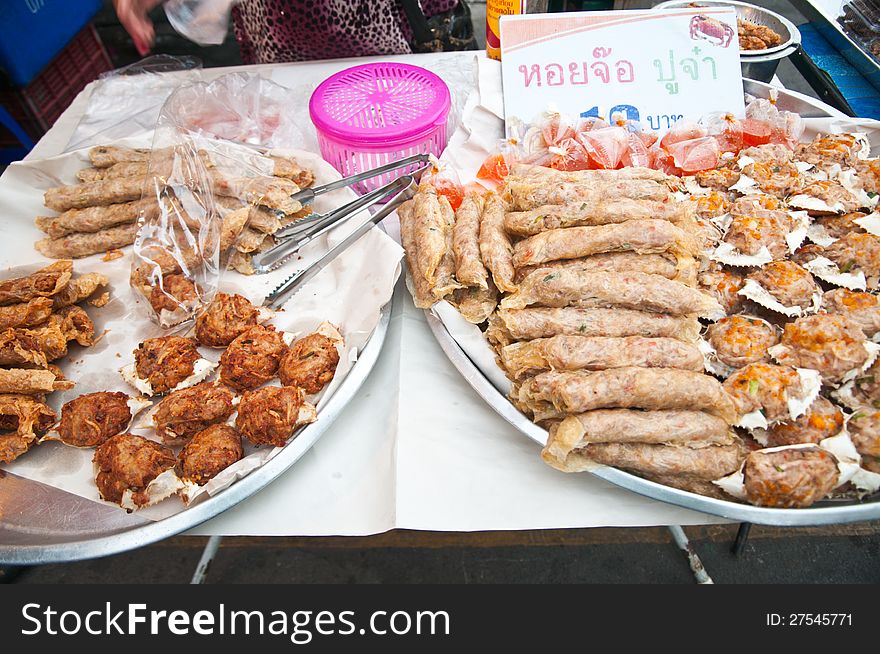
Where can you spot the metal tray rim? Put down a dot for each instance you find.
(242, 489)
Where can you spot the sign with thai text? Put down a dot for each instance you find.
(652, 66)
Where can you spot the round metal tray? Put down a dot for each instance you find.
(790, 34)
(41, 524)
(827, 512)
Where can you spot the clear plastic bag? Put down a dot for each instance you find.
(205, 22)
(213, 196)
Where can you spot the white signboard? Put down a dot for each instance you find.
(651, 66)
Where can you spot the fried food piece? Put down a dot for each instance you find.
(789, 478)
(92, 419)
(210, 452)
(33, 347)
(224, 319)
(768, 153)
(76, 325)
(469, 268)
(31, 382)
(96, 219)
(749, 233)
(25, 415)
(528, 324)
(629, 388)
(158, 261)
(252, 358)
(46, 282)
(495, 246)
(184, 413)
(310, 362)
(839, 226)
(864, 431)
(166, 361)
(765, 387)
(79, 289)
(617, 210)
(127, 462)
(741, 340)
(269, 415)
(26, 314)
(76, 246)
(521, 360)
(623, 262)
(704, 462)
(779, 179)
(446, 282)
(831, 344)
(790, 284)
(638, 291)
(91, 194)
(723, 285)
(711, 205)
(640, 236)
(476, 304)
(428, 235)
(866, 387)
(856, 252)
(717, 179)
(826, 151)
(753, 36)
(862, 308)
(421, 287)
(822, 420)
(104, 156)
(824, 197)
(173, 291)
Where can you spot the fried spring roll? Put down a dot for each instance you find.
(495, 246)
(76, 246)
(623, 262)
(476, 304)
(100, 193)
(446, 282)
(104, 156)
(616, 210)
(705, 463)
(26, 314)
(469, 268)
(598, 353)
(530, 193)
(250, 240)
(691, 484)
(535, 172)
(528, 324)
(630, 388)
(640, 236)
(94, 219)
(44, 283)
(693, 428)
(421, 287)
(271, 192)
(639, 291)
(258, 218)
(76, 325)
(33, 347)
(31, 382)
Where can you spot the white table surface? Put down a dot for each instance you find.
(432, 454)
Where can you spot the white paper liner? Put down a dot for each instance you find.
(746, 185)
(711, 364)
(810, 203)
(827, 271)
(760, 295)
(726, 253)
(870, 223)
(819, 235)
(202, 369)
(873, 349)
(135, 405)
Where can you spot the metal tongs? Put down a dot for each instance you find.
(405, 187)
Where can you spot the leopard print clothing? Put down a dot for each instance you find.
(273, 31)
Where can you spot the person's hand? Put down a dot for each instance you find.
(133, 16)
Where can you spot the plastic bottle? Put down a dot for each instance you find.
(497, 8)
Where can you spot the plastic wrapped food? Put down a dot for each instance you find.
(832, 344)
(783, 287)
(765, 394)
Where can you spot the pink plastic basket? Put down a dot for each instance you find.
(374, 114)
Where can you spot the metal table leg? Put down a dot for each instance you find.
(742, 537)
(205, 562)
(681, 539)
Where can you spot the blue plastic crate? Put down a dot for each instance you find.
(32, 32)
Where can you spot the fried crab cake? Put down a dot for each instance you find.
(210, 451)
(188, 411)
(165, 364)
(126, 465)
(227, 317)
(310, 362)
(789, 478)
(823, 420)
(268, 416)
(91, 419)
(252, 358)
(174, 292)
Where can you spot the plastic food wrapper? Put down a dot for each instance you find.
(205, 22)
(201, 172)
(126, 102)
